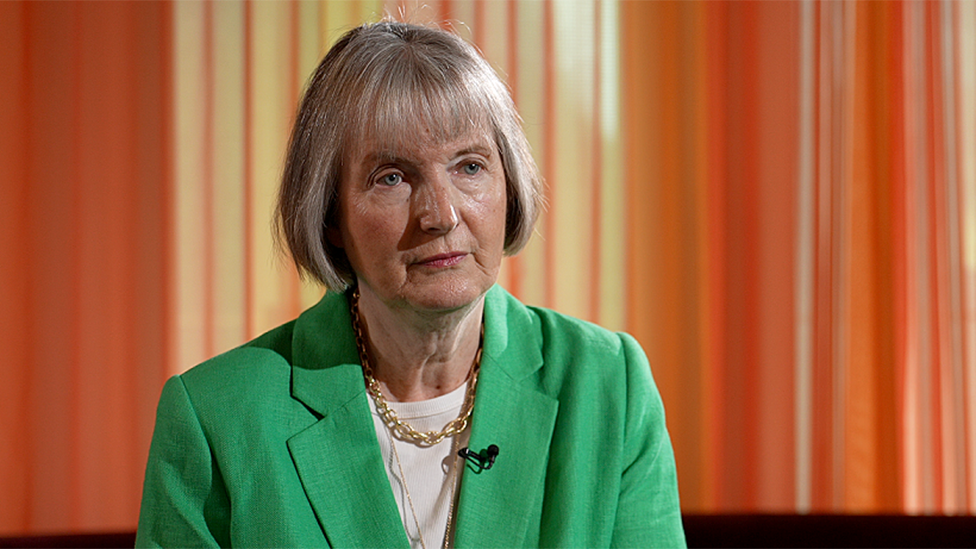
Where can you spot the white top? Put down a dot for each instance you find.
(428, 470)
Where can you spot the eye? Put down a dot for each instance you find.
(471, 168)
(391, 179)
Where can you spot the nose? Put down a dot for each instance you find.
(436, 211)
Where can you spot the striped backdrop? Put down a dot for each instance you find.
(777, 199)
(801, 191)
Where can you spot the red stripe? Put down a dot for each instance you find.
(516, 274)
(895, 69)
(714, 374)
(936, 180)
(16, 439)
(446, 10)
(167, 202)
(480, 25)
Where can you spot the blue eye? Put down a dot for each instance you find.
(391, 179)
(471, 168)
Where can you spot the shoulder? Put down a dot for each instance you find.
(260, 370)
(271, 355)
(571, 350)
(263, 358)
(564, 332)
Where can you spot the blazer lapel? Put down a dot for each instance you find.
(498, 506)
(338, 458)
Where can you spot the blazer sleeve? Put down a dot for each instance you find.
(184, 501)
(648, 512)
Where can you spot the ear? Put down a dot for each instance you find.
(334, 236)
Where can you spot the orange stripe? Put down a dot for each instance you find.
(123, 464)
(516, 274)
(745, 234)
(964, 51)
(480, 25)
(865, 278)
(777, 103)
(714, 371)
(823, 398)
(15, 266)
(159, 289)
(549, 151)
(649, 47)
(887, 496)
(166, 118)
(899, 263)
(937, 261)
(293, 289)
(934, 179)
(75, 317)
(209, 236)
(596, 149)
(695, 109)
(446, 11)
(636, 18)
(892, 235)
(908, 337)
(249, 321)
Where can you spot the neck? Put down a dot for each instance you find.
(419, 356)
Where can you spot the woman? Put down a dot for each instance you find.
(418, 403)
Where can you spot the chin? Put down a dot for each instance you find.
(447, 296)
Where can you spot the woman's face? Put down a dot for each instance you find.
(423, 222)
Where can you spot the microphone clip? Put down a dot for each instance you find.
(483, 459)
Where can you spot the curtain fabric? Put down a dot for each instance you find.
(777, 199)
(801, 178)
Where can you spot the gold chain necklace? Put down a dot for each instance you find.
(406, 488)
(403, 429)
(454, 428)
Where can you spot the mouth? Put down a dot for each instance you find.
(438, 261)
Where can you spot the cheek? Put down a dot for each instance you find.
(496, 214)
(373, 232)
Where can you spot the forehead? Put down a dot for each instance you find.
(422, 145)
(400, 126)
(413, 101)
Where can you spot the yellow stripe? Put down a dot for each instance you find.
(188, 346)
(966, 96)
(228, 204)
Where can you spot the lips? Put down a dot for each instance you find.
(442, 260)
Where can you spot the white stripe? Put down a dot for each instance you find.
(844, 55)
(911, 448)
(804, 266)
(952, 378)
(188, 285)
(825, 190)
(967, 134)
(922, 296)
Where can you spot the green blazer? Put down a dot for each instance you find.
(272, 444)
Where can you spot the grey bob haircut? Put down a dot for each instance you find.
(392, 80)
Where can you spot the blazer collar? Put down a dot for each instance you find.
(338, 458)
(497, 506)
